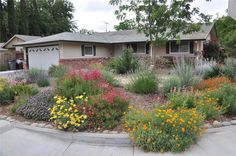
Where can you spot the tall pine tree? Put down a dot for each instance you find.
(34, 19)
(11, 18)
(23, 21)
(1, 21)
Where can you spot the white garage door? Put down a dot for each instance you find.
(43, 57)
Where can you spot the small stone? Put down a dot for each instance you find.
(226, 123)
(12, 120)
(34, 124)
(208, 126)
(26, 123)
(123, 132)
(217, 124)
(41, 125)
(113, 132)
(106, 131)
(49, 126)
(9, 118)
(3, 116)
(233, 122)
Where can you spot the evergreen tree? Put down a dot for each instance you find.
(34, 19)
(23, 21)
(11, 18)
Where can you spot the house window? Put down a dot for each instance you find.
(88, 50)
(182, 47)
(137, 47)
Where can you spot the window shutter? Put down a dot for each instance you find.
(82, 50)
(147, 48)
(94, 50)
(191, 47)
(167, 47)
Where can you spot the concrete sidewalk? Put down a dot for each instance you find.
(20, 141)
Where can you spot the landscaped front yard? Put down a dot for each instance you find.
(161, 112)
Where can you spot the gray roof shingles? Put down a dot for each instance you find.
(27, 37)
(113, 37)
(2, 49)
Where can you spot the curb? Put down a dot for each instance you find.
(120, 140)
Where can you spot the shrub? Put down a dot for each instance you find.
(143, 82)
(208, 107)
(163, 130)
(109, 77)
(215, 71)
(126, 62)
(36, 74)
(58, 70)
(212, 51)
(230, 68)
(21, 100)
(43, 83)
(6, 95)
(226, 96)
(65, 114)
(74, 85)
(203, 65)
(181, 99)
(170, 84)
(212, 83)
(106, 110)
(23, 89)
(3, 83)
(37, 106)
(205, 105)
(3, 67)
(185, 73)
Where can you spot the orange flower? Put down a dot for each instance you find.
(211, 84)
(145, 127)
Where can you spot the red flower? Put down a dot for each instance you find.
(111, 95)
(90, 75)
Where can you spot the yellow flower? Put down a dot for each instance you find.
(183, 130)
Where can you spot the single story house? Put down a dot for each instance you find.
(10, 52)
(78, 50)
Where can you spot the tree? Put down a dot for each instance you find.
(23, 21)
(11, 18)
(34, 19)
(158, 20)
(87, 32)
(1, 18)
(126, 25)
(226, 30)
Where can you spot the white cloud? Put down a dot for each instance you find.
(91, 14)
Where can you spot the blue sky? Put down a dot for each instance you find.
(91, 14)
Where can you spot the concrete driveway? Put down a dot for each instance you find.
(21, 141)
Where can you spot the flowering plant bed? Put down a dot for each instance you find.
(163, 129)
(85, 101)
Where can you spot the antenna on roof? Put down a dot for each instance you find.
(106, 24)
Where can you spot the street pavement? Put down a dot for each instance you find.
(15, 141)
